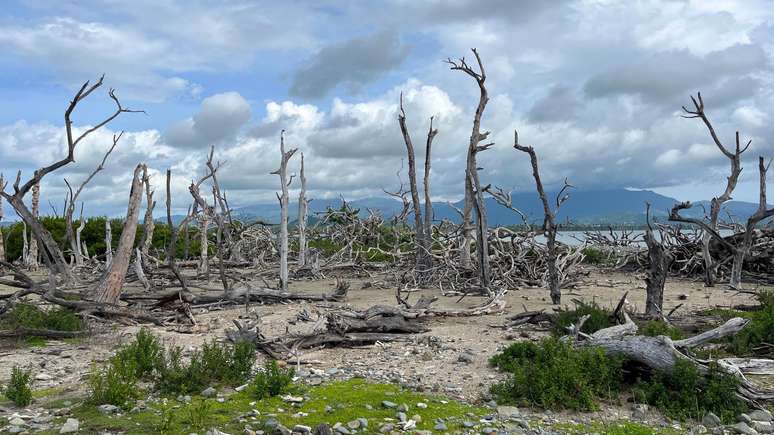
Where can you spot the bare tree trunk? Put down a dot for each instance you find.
(2, 240)
(550, 226)
(204, 260)
(283, 200)
(428, 230)
(760, 214)
(32, 258)
(658, 268)
(148, 224)
(80, 249)
(108, 243)
(139, 270)
(172, 248)
(109, 288)
(474, 198)
(303, 215)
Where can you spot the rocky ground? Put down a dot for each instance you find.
(450, 359)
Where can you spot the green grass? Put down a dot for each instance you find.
(655, 328)
(348, 400)
(599, 318)
(613, 428)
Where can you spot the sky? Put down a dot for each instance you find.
(596, 86)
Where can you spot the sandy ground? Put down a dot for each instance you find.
(426, 362)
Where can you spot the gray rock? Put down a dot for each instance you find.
(468, 424)
(15, 429)
(711, 420)
(209, 392)
(354, 424)
(271, 422)
(440, 426)
(401, 416)
(506, 412)
(465, 357)
(385, 428)
(743, 428)
(388, 404)
(107, 409)
(282, 430)
(323, 429)
(403, 408)
(763, 426)
(417, 418)
(70, 426)
(342, 430)
(698, 430)
(745, 418)
(17, 421)
(488, 431)
(760, 415)
(302, 429)
(363, 422)
(422, 405)
(639, 411)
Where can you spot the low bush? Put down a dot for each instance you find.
(34, 317)
(655, 328)
(760, 329)
(18, 389)
(215, 363)
(686, 393)
(599, 318)
(553, 374)
(272, 380)
(594, 255)
(114, 384)
(144, 354)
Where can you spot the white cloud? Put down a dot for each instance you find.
(220, 118)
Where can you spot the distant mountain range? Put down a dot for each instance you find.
(584, 207)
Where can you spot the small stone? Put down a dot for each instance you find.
(363, 422)
(15, 429)
(422, 405)
(17, 421)
(468, 424)
(248, 432)
(342, 430)
(401, 416)
(760, 415)
(745, 418)
(506, 412)
(763, 426)
(711, 420)
(417, 418)
(271, 422)
(43, 377)
(465, 357)
(386, 428)
(331, 371)
(315, 380)
(241, 387)
(388, 404)
(282, 430)
(440, 426)
(107, 409)
(323, 429)
(489, 431)
(292, 399)
(70, 426)
(302, 429)
(209, 392)
(403, 408)
(328, 409)
(640, 411)
(744, 429)
(354, 424)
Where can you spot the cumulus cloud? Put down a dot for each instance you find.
(352, 63)
(220, 117)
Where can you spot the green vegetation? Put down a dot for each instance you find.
(685, 393)
(600, 318)
(594, 255)
(272, 381)
(34, 317)
(18, 389)
(760, 329)
(613, 428)
(114, 384)
(552, 374)
(655, 328)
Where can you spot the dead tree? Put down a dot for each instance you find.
(109, 288)
(108, 243)
(71, 201)
(31, 260)
(283, 200)
(735, 159)
(2, 240)
(550, 225)
(53, 256)
(474, 198)
(148, 223)
(424, 258)
(760, 215)
(303, 215)
(172, 247)
(658, 269)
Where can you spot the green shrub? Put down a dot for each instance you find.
(599, 319)
(114, 384)
(18, 389)
(175, 376)
(655, 328)
(144, 354)
(215, 363)
(33, 317)
(272, 380)
(686, 393)
(760, 329)
(594, 255)
(198, 413)
(553, 374)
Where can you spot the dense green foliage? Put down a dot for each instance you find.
(30, 316)
(18, 389)
(272, 380)
(686, 393)
(599, 318)
(552, 374)
(760, 329)
(594, 255)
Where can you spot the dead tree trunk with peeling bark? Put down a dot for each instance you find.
(303, 216)
(424, 258)
(474, 197)
(428, 230)
(172, 247)
(283, 200)
(32, 254)
(148, 224)
(760, 215)
(658, 269)
(108, 243)
(109, 288)
(735, 160)
(550, 225)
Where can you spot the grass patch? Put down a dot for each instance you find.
(613, 428)
(655, 328)
(760, 330)
(594, 255)
(552, 374)
(272, 381)
(348, 400)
